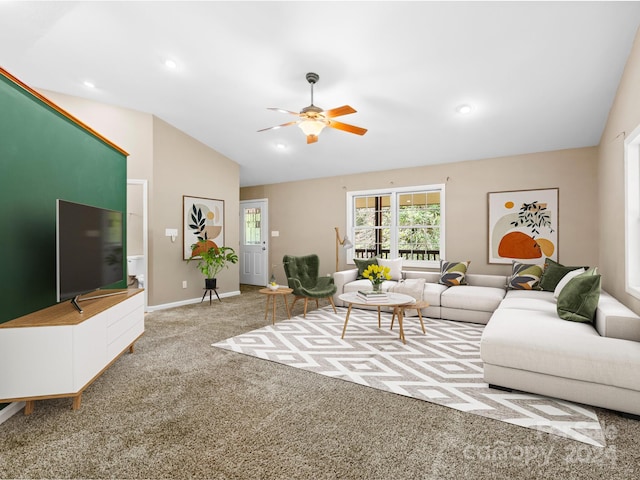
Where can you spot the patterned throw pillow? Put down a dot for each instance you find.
(453, 273)
(525, 276)
(363, 263)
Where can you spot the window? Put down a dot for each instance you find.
(632, 212)
(252, 226)
(401, 222)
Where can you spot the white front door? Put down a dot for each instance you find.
(254, 248)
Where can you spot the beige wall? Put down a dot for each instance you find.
(174, 164)
(624, 117)
(127, 128)
(306, 212)
(184, 166)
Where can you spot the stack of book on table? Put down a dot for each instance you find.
(371, 296)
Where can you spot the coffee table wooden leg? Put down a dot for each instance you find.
(346, 320)
(286, 304)
(421, 322)
(378, 316)
(400, 315)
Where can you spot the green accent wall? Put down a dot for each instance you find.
(45, 156)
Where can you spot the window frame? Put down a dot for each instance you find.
(394, 193)
(632, 212)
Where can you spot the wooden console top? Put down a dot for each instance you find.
(64, 313)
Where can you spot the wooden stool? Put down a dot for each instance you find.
(419, 305)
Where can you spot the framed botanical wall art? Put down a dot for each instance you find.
(203, 220)
(523, 226)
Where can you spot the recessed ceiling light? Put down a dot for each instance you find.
(89, 84)
(170, 64)
(464, 109)
(281, 146)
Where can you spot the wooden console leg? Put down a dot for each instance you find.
(131, 348)
(29, 407)
(77, 400)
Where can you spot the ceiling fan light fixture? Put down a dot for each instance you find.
(312, 127)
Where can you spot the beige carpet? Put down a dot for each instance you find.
(442, 366)
(178, 408)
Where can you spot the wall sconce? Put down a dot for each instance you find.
(345, 242)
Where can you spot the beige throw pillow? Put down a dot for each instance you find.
(413, 287)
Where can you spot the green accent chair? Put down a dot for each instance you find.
(302, 277)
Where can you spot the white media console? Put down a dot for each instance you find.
(58, 352)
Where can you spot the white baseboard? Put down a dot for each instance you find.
(153, 308)
(10, 410)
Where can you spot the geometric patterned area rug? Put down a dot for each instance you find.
(441, 367)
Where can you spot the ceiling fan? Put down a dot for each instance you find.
(313, 119)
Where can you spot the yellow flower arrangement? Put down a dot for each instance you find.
(377, 274)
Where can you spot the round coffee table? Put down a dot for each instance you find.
(392, 300)
(271, 296)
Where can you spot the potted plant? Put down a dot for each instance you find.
(212, 260)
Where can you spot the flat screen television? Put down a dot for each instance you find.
(89, 246)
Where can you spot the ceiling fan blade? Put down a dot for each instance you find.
(282, 110)
(280, 126)
(347, 128)
(339, 111)
(312, 138)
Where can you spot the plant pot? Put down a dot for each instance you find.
(210, 283)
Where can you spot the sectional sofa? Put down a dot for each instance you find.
(526, 345)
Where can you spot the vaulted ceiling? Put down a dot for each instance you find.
(538, 76)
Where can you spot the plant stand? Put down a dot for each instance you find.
(209, 290)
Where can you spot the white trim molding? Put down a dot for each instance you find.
(632, 212)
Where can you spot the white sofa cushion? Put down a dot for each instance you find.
(529, 300)
(483, 280)
(469, 297)
(541, 342)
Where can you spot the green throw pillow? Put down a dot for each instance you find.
(453, 273)
(363, 264)
(578, 300)
(525, 276)
(553, 273)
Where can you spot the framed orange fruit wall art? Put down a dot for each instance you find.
(523, 226)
